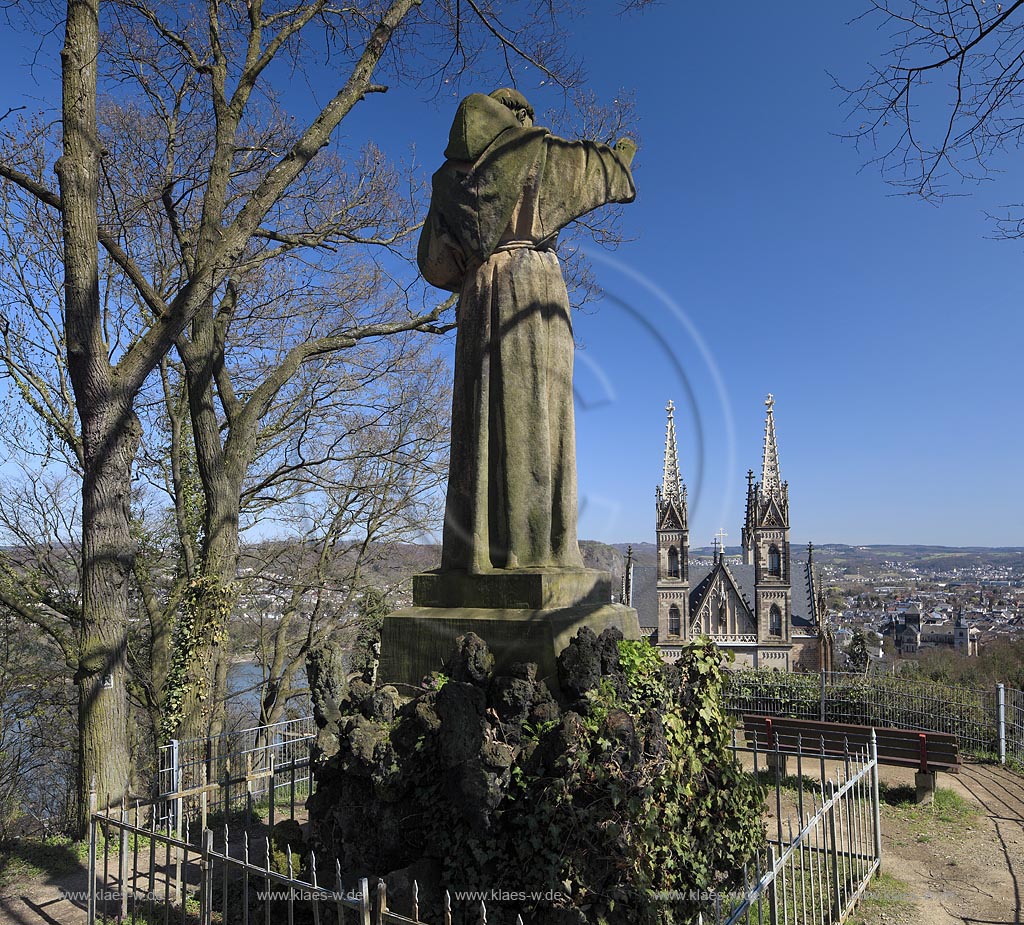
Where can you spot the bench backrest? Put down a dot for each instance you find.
(905, 747)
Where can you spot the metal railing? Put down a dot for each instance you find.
(820, 862)
(236, 769)
(142, 873)
(984, 723)
(145, 866)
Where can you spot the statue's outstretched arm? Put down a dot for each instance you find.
(580, 176)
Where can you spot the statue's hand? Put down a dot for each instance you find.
(626, 149)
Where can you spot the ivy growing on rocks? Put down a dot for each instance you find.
(606, 803)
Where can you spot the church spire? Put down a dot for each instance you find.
(671, 483)
(673, 582)
(771, 480)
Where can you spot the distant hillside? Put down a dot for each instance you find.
(604, 557)
(872, 558)
(925, 558)
(393, 564)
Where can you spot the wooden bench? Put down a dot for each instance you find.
(928, 752)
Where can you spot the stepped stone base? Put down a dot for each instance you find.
(519, 589)
(522, 615)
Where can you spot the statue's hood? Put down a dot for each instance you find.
(479, 120)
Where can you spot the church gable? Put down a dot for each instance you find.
(670, 518)
(771, 515)
(718, 608)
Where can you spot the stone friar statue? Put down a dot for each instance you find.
(498, 203)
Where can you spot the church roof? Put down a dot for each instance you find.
(703, 585)
(645, 593)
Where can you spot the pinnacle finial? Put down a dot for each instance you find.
(671, 483)
(771, 480)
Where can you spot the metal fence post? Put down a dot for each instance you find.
(248, 790)
(175, 805)
(364, 901)
(179, 894)
(273, 793)
(206, 879)
(1001, 701)
(122, 864)
(876, 804)
(91, 908)
(837, 897)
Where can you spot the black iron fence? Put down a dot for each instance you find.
(989, 723)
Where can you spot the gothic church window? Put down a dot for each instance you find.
(774, 560)
(673, 562)
(775, 621)
(673, 620)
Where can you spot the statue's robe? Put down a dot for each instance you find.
(497, 206)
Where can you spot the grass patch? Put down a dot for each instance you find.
(787, 782)
(30, 859)
(38, 858)
(947, 808)
(885, 896)
(1012, 764)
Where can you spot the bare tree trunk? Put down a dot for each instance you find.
(202, 677)
(111, 436)
(218, 715)
(110, 433)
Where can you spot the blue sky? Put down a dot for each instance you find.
(764, 259)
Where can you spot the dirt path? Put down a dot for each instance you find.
(53, 901)
(957, 873)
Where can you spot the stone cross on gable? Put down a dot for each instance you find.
(720, 537)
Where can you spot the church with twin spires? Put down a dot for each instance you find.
(765, 605)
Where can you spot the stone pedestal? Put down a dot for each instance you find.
(522, 615)
(924, 785)
(776, 763)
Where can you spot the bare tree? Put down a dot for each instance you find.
(945, 99)
(380, 489)
(222, 201)
(39, 606)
